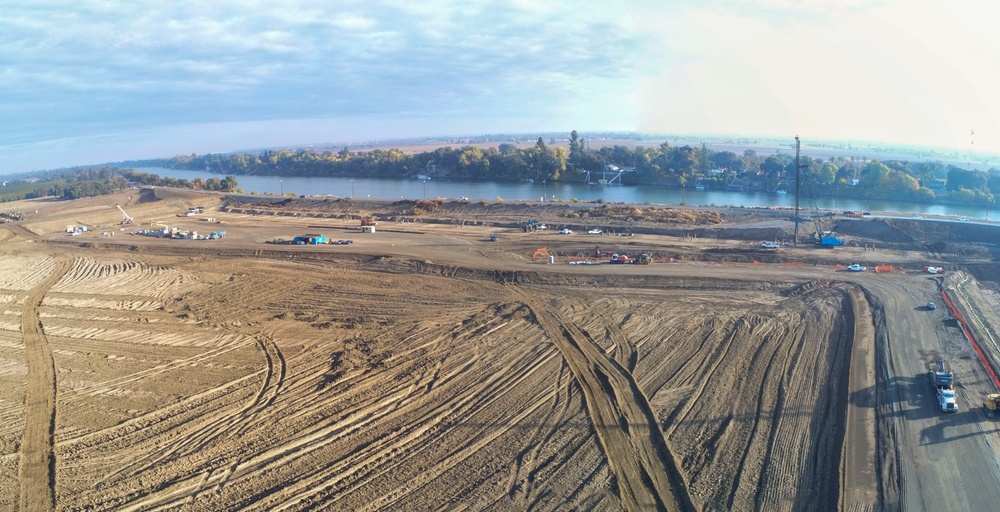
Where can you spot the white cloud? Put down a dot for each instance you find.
(921, 72)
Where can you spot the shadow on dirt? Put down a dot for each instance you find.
(938, 432)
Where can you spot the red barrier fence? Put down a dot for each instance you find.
(968, 335)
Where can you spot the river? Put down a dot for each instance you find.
(396, 188)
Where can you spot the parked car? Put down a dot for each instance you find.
(495, 238)
(770, 245)
(565, 231)
(857, 268)
(594, 231)
(931, 306)
(541, 227)
(830, 214)
(344, 242)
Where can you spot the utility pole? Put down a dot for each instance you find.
(795, 237)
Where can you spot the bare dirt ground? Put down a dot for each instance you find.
(425, 367)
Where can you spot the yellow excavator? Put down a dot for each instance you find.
(992, 405)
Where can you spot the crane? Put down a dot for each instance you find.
(126, 218)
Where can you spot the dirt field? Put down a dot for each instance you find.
(425, 367)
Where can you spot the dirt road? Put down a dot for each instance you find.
(37, 468)
(943, 461)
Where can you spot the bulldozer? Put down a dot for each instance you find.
(992, 405)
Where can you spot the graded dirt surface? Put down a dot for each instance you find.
(426, 367)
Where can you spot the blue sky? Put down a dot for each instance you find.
(90, 81)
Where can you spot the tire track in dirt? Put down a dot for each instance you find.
(374, 459)
(236, 421)
(526, 461)
(646, 475)
(37, 469)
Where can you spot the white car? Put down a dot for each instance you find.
(594, 232)
(565, 231)
(857, 268)
(542, 227)
(770, 245)
(963, 219)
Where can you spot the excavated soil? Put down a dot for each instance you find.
(423, 368)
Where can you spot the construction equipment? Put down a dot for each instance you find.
(992, 405)
(126, 218)
(944, 383)
(619, 259)
(542, 252)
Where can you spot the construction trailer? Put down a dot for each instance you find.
(310, 239)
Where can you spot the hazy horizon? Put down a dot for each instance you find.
(91, 82)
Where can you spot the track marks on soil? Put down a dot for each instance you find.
(646, 474)
(119, 277)
(37, 465)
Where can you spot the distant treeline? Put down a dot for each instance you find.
(660, 165)
(90, 182)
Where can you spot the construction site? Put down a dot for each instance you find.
(460, 356)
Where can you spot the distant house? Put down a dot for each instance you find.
(937, 184)
(853, 181)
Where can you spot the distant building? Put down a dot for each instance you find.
(309, 239)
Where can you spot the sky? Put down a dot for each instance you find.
(92, 81)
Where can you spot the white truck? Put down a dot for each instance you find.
(944, 383)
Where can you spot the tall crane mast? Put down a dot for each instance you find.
(126, 218)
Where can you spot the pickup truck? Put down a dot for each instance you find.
(857, 268)
(770, 245)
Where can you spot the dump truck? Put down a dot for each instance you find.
(992, 405)
(944, 384)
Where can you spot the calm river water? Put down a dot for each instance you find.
(494, 191)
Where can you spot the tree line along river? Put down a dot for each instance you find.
(389, 189)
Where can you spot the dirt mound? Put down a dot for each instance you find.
(882, 230)
(147, 195)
